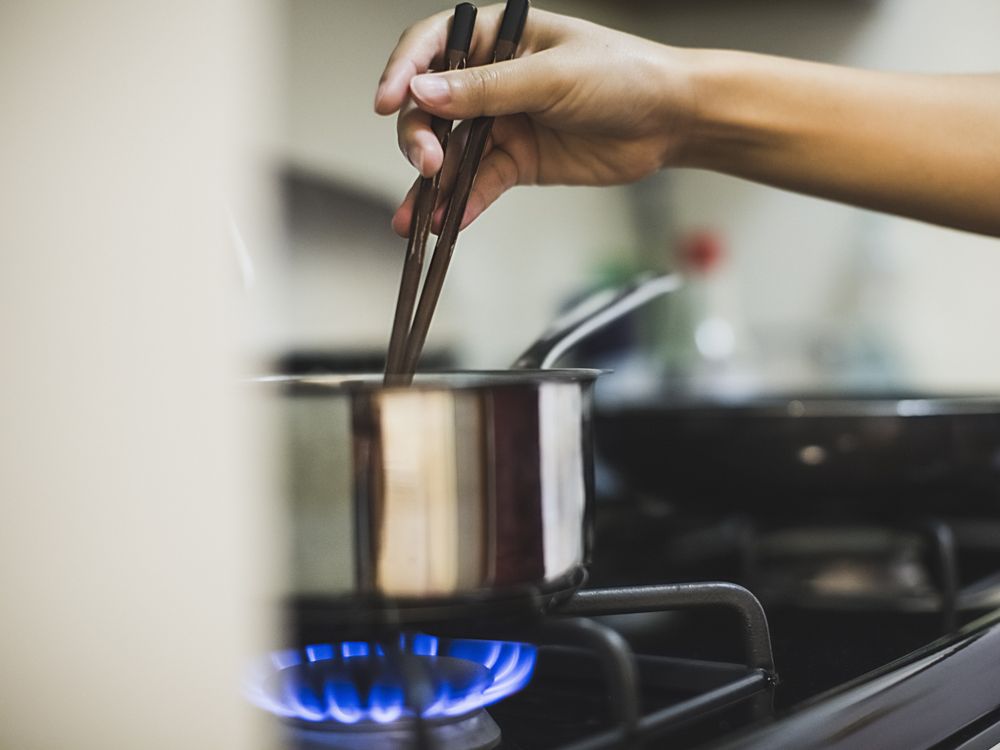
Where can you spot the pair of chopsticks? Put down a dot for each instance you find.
(407, 340)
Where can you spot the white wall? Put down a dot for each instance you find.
(133, 564)
(791, 255)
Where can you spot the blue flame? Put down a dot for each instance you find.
(317, 683)
(320, 652)
(350, 649)
(424, 645)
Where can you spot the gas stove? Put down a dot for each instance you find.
(877, 634)
(563, 679)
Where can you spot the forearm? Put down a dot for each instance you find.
(922, 146)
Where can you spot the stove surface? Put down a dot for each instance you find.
(878, 634)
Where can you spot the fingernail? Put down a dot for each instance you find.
(431, 89)
(416, 157)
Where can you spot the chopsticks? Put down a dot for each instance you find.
(459, 40)
(511, 28)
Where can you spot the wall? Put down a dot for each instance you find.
(133, 558)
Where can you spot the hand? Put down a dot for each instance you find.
(580, 105)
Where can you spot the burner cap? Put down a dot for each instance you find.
(475, 732)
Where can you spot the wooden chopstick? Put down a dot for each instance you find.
(511, 27)
(459, 41)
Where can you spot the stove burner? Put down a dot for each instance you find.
(475, 732)
(356, 685)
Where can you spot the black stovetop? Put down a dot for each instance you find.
(838, 657)
(882, 636)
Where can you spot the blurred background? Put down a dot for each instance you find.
(193, 192)
(817, 295)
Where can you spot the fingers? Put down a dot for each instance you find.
(527, 84)
(417, 140)
(524, 85)
(498, 173)
(510, 159)
(417, 48)
(422, 45)
(404, 214)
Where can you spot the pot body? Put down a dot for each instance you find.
(462, 486)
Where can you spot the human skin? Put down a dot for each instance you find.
(586, 105)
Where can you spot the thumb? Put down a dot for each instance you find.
(504, 88)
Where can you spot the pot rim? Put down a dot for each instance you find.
(432, 381)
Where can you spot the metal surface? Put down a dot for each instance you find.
(463, 485)
(475, 732)
(589, 655)
(591, 315)
(880, 454)
(635, 599)
(709, 687)
(617, 663)
(456, 487)
(924, 701)
(942, 544)
(907, 565)
(748, 686)
(618, 660)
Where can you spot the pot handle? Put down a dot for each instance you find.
(590, 315)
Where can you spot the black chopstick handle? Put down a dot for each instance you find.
(512, 26)
(463, 23)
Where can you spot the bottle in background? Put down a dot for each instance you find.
(705, 344)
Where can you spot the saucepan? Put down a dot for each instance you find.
(465, 493)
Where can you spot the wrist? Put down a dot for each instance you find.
(727, 112)
(676, 121)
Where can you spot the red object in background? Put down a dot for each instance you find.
(701, 251)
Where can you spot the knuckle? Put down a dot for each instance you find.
(479, 201)
(485, 82)
(503, 174)
(401, 135)
(416, 31)
(508, 174)
(405, 140)
(409, 120)
(498, 179)
(407, 33)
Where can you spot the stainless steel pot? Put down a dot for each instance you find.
(463, 489)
